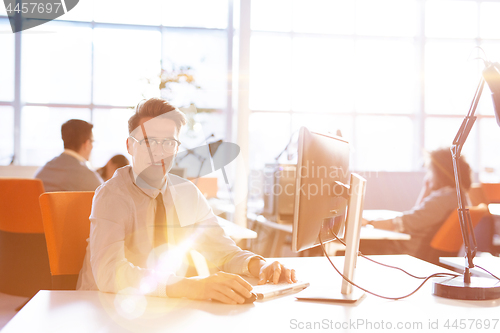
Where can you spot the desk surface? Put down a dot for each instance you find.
(88, 311)
(491, 264)
(235, 231)
(367, 232)
(494, 208)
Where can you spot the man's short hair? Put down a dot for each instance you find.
(75, 133)
(154, 107)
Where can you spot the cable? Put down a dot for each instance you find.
(377, 262)
(372, 293)
(496, 277)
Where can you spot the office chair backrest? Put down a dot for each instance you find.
(24, 264)
(67, 227)
(20, 211)
(492, 192)
(477, 195)
(449, 236)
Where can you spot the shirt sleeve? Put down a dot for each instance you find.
(431, 212)
(211, 241)
(111, 270)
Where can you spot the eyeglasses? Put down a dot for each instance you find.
(168, 145)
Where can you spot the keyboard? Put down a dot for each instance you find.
(269, 290)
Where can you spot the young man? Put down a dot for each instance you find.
(144, 221)
(69, 171)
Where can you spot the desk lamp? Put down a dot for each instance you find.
(464, 286)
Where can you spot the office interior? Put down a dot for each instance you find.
(395, 78)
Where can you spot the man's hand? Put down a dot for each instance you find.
(274, 271)
(223, 287)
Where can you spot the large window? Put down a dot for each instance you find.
(396, 77)
(98, 61)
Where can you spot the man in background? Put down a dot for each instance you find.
(70, 171)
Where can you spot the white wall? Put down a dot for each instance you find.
(17, 171)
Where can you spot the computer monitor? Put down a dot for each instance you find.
(322, 202)
(322, 161)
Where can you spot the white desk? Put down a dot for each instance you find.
(367, 233)
(491, 264)
(380, 214)
(235, 231)
(494, 208)
(71, 311)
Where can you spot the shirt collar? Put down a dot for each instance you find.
(73, 153)
(149, 190)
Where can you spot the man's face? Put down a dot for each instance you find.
(151, 162)
(86, 148)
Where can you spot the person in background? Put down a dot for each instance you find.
(145, 221)
(70, 171)
(436, 201)
(116, 162)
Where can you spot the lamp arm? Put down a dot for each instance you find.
(463, 213)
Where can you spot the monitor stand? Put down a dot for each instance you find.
(310, 294)
(355, 194)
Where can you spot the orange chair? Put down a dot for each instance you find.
(449, 236)
(492, 192)
(24, 264)
(477, 195)
(67, 227)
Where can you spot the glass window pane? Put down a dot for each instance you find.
(324, 123)
(324, 16)
(41, 132)
(383, 144)
(204, 125)
(451, 77)
(49, 73)
(81, 12)
(124, 59)
(6, 134)
(492, 53)
(270, 72)
(489, 170)
(195, 13)
(110, 139)
(489, 22)
(3, 11)
(451, 18)
(128, 11)
(271, 15)
(386, 17)
(322, 74)
(385, 76)
(202, 128)
(269, 130)
(6, 61)
(440, 132)
(206, 53)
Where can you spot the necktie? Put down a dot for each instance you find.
(160, 230)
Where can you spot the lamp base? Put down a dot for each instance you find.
(479, 288)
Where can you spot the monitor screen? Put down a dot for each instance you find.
(322, 161)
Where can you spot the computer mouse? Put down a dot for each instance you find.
(250, 299)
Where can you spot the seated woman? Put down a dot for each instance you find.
(114, 163)
(437, 200)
